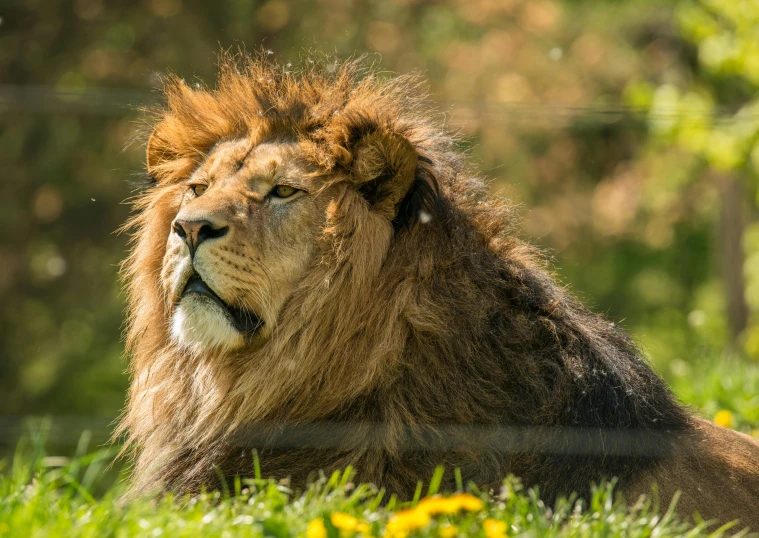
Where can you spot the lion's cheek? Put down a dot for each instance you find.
(198, 324)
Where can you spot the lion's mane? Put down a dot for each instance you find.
(424, 327)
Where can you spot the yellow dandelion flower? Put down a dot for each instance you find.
(468, 502)
(450, 505)
(448, 531)
(316, 529)
(724, 418)
(438, 505)
(494, 528)
(404, 521)
(348, 524)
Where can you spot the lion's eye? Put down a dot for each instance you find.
(283, 191)
(198, 188)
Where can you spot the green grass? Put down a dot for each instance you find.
(729, 384)
(42, 496)
(81, 496)
(38, 501)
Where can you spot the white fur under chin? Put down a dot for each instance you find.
(200, 324)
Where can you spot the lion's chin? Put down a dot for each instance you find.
(199, 324)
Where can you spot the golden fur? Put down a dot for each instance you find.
(404, 325)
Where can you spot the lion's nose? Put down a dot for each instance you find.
(195, 232)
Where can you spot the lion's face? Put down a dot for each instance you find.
(243, 236)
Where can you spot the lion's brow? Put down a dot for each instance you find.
(247, 154)
(271, 172)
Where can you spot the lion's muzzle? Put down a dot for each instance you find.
(243, 320)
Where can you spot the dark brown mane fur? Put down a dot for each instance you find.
(433, 315)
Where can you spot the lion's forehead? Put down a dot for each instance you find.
(271, 160)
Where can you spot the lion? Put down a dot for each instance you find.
(319, 275)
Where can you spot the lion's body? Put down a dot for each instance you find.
(415, 330)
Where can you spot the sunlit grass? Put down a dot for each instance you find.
(43, 496)
(718, 387)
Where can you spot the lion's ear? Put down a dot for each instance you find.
(383, 168)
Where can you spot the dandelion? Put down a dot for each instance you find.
(316, 529)
(724, 418)
(405, 521)
(416, 518)
(468, 502)
(348, 524)
(494, 528)
(438, 505)
(450, 505)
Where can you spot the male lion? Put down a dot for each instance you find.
(318, 274)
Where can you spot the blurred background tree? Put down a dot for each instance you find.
(705, 119)
(626, 130)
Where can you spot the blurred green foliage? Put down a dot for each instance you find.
(704, 118)
(614, 124)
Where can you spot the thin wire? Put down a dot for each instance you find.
(127, 101)
(325, 435)
(59, 430)
(95, 101)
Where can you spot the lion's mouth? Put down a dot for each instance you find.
(244, 321)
